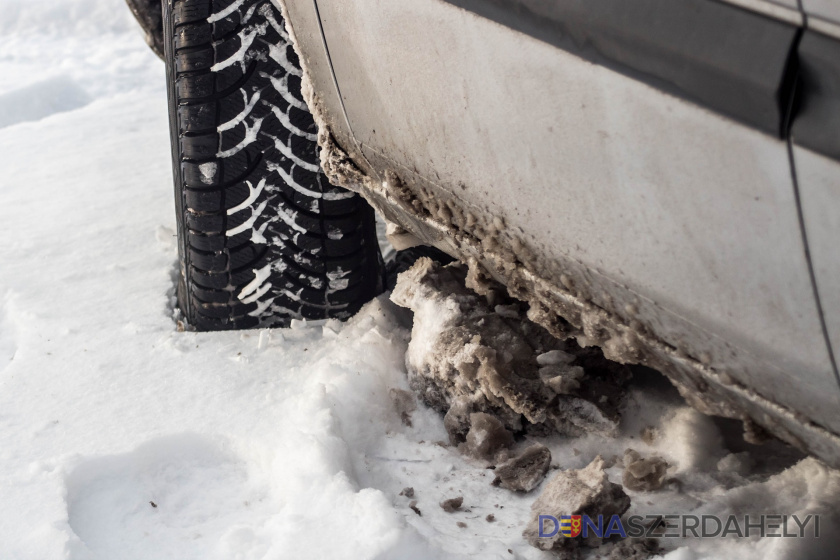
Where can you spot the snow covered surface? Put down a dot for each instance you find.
(121, 437)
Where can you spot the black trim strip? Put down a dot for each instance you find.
(816, 125)
(717, 55)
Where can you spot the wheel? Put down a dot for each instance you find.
(263, 237)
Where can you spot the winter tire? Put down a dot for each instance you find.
(263, 237)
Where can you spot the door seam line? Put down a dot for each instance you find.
(801, 216)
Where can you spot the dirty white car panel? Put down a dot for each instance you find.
(647, 174)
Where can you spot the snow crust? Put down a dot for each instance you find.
(123, 437)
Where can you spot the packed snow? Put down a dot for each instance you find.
(122, 436)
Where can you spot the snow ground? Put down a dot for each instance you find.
(121, 437)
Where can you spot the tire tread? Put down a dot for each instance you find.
(266, 238)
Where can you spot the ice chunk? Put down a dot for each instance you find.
(575, 416)
(525, 472)
(585, 491)
(457, 421)
(507, 311)
(562, 379)
(399, 238)
(486, 437)
(643, 474)
(413, 505)
(464, 357)
(555, 357)
(738, 463)
(452, 504)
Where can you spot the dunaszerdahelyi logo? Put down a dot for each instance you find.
(570, 525)
(680, 526)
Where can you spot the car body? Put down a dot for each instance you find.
(660, 178)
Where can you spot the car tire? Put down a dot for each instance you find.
(263, 237)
